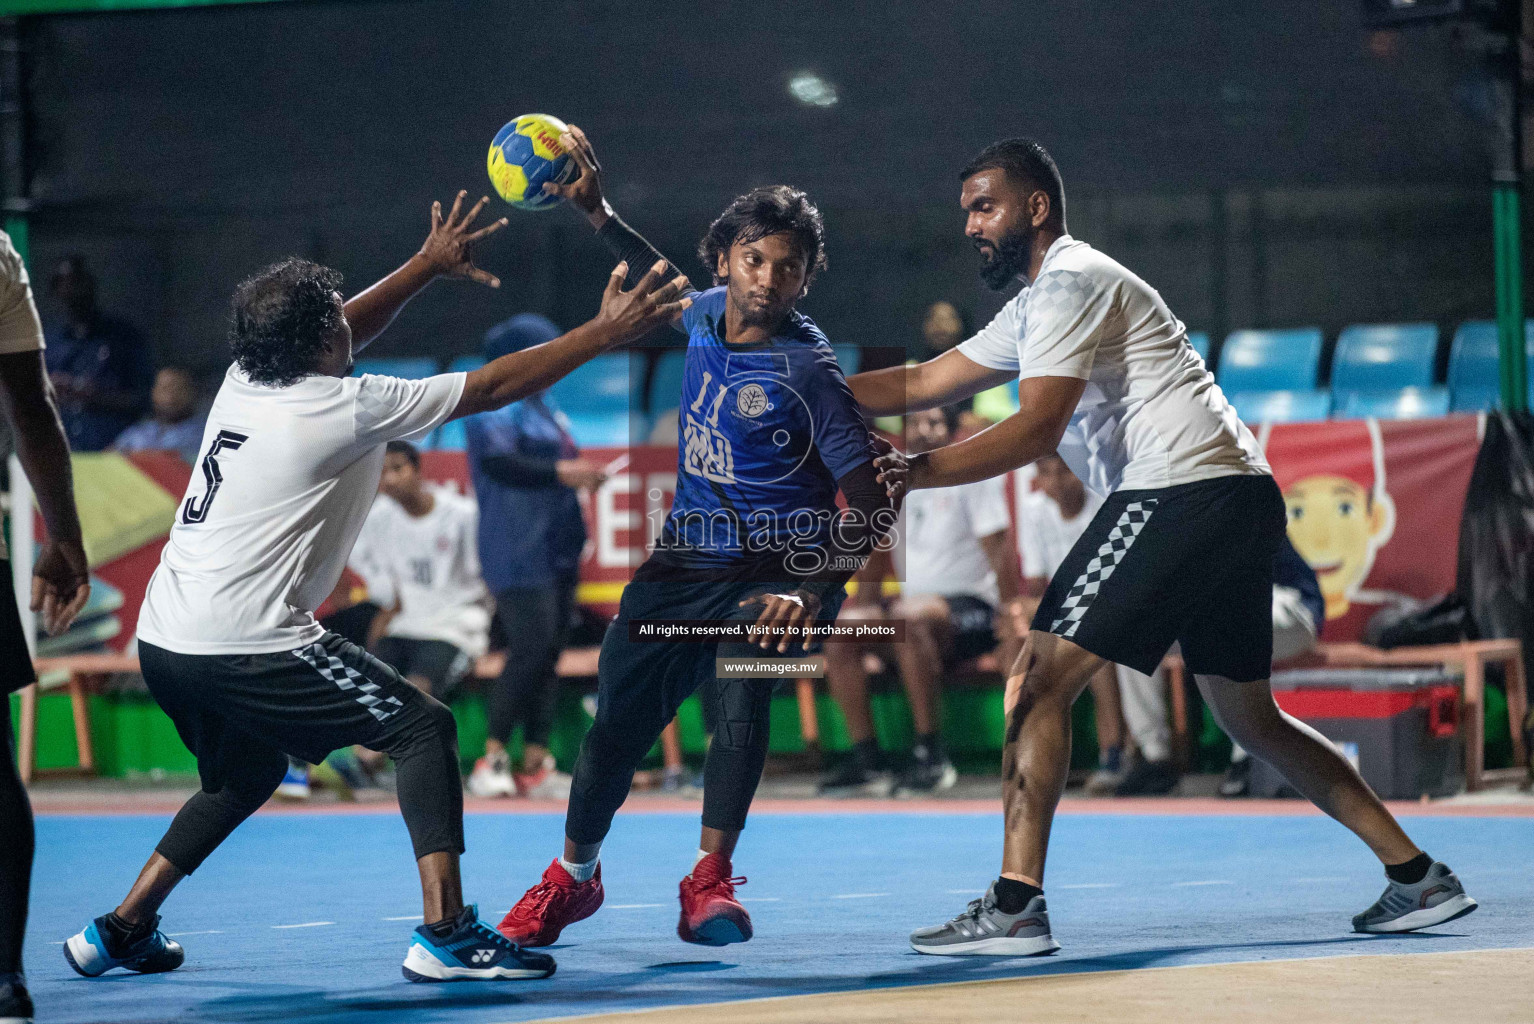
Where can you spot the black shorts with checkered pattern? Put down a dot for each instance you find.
(1190, 564)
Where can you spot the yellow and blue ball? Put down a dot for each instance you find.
(525, 154)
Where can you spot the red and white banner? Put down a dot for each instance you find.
(1374, 507)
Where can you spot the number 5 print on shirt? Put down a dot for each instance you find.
(192, 512)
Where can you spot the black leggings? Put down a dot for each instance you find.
(536, 623)
(640, 686)
(243, 715)
(16, 847)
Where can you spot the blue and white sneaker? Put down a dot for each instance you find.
(90, 954)
(295, 784)
(473, 952)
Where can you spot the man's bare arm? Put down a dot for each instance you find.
(1002, 553)
(948, 378)
(60, 578)
(447, 252)
(1046, 405)
(624, 316)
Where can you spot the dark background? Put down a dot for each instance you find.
(1265, 163)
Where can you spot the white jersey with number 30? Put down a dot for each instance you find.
(284, 481)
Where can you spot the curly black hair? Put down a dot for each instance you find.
(769, 210)
(281, 320)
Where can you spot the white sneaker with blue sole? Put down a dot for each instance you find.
(90, 954)
(473, 952)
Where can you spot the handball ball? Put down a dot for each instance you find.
(525, 154)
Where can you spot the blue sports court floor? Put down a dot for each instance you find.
(305, 917)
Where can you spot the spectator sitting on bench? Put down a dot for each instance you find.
(1048, 523)
(419, 557)
(959, 564)
(173, 423)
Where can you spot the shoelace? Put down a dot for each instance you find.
(972, 912)
(726, 884)
(541, 896)
(489, 934)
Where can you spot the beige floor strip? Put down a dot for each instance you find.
(1479, 987)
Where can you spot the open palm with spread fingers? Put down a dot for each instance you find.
(450, 246)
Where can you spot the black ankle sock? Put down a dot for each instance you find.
(1012, 896)
(866, 754)
(1409, 872)
(448, 925)
(120, 933)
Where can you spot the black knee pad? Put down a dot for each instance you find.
(742, 713)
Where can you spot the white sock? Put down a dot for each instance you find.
(580, 872)
(701, 854)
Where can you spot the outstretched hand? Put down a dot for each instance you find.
(649, 304)
(449, 247)
(893, 469)
(586, 190)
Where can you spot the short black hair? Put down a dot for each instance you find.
(769, 210)
(281, 320)
(1024, 160)
(406, 449)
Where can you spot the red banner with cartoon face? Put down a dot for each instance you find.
(1374, 507)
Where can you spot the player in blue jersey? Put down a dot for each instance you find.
(769, 432)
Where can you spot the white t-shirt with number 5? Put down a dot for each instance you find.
(282, 486)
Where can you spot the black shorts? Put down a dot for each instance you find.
(306, 703)
(974, 627)
(15, 659)
(1191, 564)
(442, 664)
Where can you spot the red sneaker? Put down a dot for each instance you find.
(551, 906)
(711, 915)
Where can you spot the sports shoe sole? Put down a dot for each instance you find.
(718, 931)
(15, 1020)
(1039, 945)
(85, 958)
(1451, 909)
(420, 967)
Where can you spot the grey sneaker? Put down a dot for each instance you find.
(983, 930)
(1437, 899)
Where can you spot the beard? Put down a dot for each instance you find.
(1009, 258)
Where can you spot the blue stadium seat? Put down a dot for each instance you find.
(463, 364)
(1270, 360)
(1200, 342)
(449, 437)
(666, 380)
(1281, 406)
(848, 357)
(1474, 378)
(1401, 404)
(612, 429)
(1383, 357)
(607, 384)
(409, 367)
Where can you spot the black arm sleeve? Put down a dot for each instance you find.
(869, 516)
(515, 470)
(628, 244)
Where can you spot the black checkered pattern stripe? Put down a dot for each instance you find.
(1108, 557)
(348, 678)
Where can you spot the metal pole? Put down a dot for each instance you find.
(1507, 180)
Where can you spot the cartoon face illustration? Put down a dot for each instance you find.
(1337, 524)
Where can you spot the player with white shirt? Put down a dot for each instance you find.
(60, 588)
(1180, 551)
(956, 568)
(228, 641)
(419, 557)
